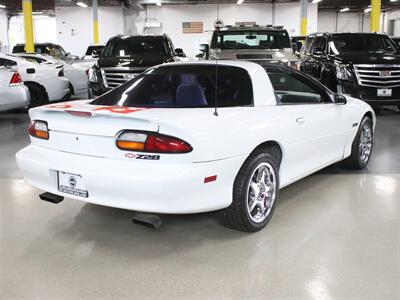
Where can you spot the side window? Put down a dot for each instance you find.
(296, 89)
(7, 63)
(307, 45)
(319, 44)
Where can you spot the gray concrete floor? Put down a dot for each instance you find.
(334, 235)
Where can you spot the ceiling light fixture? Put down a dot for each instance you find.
(367, 10)
(158, 3)
(240, 2)
(394, 0)
(316, 1)
(2, 6)
(344, 9)
(81, 4)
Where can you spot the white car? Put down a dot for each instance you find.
(45, 82)
(76, 74)
(176, 140)
(13, 93)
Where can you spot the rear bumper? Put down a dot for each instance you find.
(149, 186)
(58, 89)
(14, 97)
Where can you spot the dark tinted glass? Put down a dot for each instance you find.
(347, 43)
(294, 89)
(183, 86)
(18, 49)
(7, 63)
(90, 49)
(255, 39)
(134, 45)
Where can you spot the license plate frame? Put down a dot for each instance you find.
(384, 92)
(72, 184)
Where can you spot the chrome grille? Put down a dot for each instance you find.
(115, 76)
(254, 56)
(380, 76)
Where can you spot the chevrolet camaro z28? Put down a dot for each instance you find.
(192, 137)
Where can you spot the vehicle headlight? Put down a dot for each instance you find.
(342, 72)
(93, 75)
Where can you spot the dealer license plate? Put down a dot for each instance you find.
(384, 92)
(71, 184)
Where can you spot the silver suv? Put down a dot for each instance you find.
(253, 43)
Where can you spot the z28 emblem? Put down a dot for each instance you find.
(143, 156)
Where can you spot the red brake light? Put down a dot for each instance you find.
(166, 144)
(151, 142)
(39, 129)
(15, 79)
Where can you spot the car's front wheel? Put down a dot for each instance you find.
(362, 145)
(255, 192)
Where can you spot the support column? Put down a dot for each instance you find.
(375, 15)
(95, 23)
(303, 17)
(28, 26)
(273, 15)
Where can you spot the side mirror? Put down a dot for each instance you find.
(179, 52)
(318, 51)
(200, 55)
(95, 54)
(204, 48)
(339, 99)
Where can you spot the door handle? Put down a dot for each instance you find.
(300, 120)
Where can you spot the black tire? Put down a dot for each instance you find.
(71, 89)
(38, 95)
(355, 160)
(236, 216)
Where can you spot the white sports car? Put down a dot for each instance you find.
(45, 82)
(192, 137)
(76, 74)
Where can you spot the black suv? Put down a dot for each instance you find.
(363, 65)
(126, 56)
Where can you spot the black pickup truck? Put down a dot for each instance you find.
(126, 56)
(363, 65)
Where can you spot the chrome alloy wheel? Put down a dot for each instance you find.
(365, 146)
(261, 192)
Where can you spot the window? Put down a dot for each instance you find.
(90, 49)
(183, 86)
(255, 39)
(361, 42)
(307, 45)
(7, 63)
(319, 44)
(294, 88)
(135, 45)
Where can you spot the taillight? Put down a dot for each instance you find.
(15, 79)
(38, 129)
(61, 73)
(151, 142)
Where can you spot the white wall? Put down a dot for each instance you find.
(75, 27)
(393, 15)
(44, 30)
(347, 22)
(172, 16)
(3, 31)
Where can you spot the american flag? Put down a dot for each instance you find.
(192, 27)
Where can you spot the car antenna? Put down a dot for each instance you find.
(216, 68)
